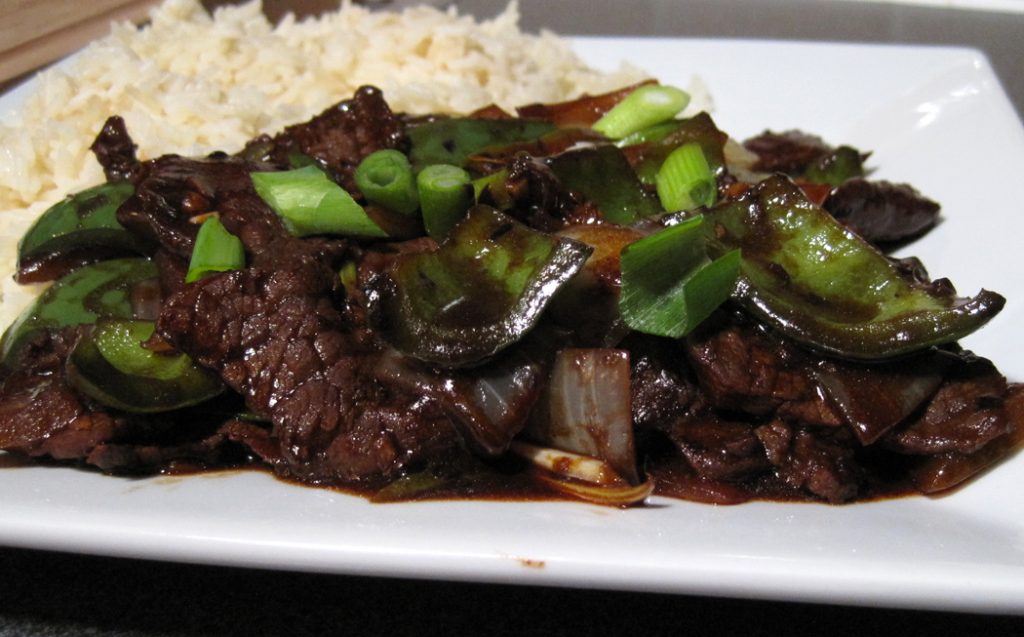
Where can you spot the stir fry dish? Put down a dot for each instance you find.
(595, 299)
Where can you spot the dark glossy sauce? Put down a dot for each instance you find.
(508, 479)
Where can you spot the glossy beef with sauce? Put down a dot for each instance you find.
(313, 373)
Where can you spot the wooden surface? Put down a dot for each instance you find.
(34, 33)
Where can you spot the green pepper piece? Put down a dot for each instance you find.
(111, 366)
(83, 228)
(547, 145)
(411, 486)
(604, 176)
(651, 134)
(812, 279)
(91, 292)
(453, 140)
(835, 167)
(480, 292)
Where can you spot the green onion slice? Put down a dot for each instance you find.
(685, 181)
(385, 178)
(489, 184)
(215, 250)
(668, 285)
(646, 106)
(310, 203)
(446, 193)
(651, 134)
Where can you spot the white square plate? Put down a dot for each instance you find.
(934, 117)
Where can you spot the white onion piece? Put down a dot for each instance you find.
(587, 408)
(568, 464)
(582, 476)
(489, 405)
(609, 496)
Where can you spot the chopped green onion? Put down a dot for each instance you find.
(685, 181)
(488, 183)
(446, 193)
(310, 203)
(650, 134)
(646, 106)
(411, 486)
(668, 285)
(835, 167)
(215, 250)
(385, 178)
(349, 275)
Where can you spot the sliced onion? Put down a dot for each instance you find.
(583, 477)
(588, 409)
(610, 496)
(489, 405)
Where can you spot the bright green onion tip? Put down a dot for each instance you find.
(685, 181)
(215, 250)
(385, 178)
(646, 106)
(668, 284)
(309, 203)
(446, 193)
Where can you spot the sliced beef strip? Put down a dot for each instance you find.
(719, 449)
(255, 437)
(964, 415)
(661, 385)
(789, 152)
(880, 211)
(173, 193)
(338, 138)
(276, 337)
(171, 190)
(946, 470)
(819, 461)
(116, 457)
(39, 414)
(539, 199)
(742, 369)
(115, 150)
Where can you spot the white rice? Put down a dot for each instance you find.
(190, 83)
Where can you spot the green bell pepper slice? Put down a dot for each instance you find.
(453, 140)
(603, 175)
(83, 228)
(820, 284)
(481, 291)
(110, 365)
(100, 290)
